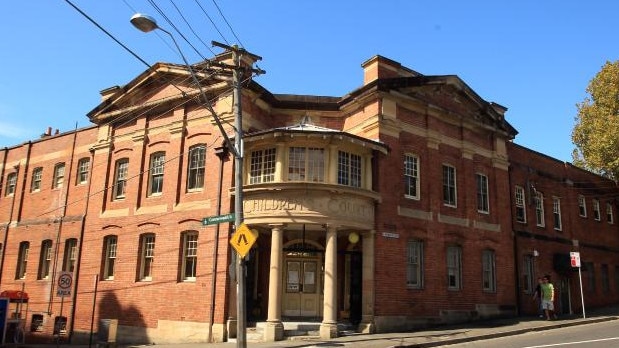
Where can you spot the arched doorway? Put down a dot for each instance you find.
(302, 279)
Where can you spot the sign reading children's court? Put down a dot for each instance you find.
(242, 240)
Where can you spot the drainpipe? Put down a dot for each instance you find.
(63, 212)
(78, 262)
(515, 241)
(222, 153)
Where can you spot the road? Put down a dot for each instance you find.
(605, 334)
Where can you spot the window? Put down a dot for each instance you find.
(45, 263)
(22, 260)
(147, 256)
(70, 255)
(195, 175)
(582, 206)
(83, 166)
(590, 272)
(11, 183)
(190, 256)
(539, 209)
(488, 271)
(449, 185)
(109, 261)
(527, 274)
(58, 175)
(414, 264)
(454, 268)
(609, 213)
(483, 205)
(556, 212)
(35, 184)
(155, 185)
(348, 169)
(596, 210)
(521, 214)
(262, 166)
(411, 176)
(306, 164)
(605, 281)
(120, 178)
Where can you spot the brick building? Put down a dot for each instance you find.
(557, 209)
(386, 208)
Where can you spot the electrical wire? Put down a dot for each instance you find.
(173, 26)
(190, 27)
(107, 33)
(212, 22)
(229, 26)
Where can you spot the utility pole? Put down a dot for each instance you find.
(238, 72)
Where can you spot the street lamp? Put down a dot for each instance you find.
(146, 24)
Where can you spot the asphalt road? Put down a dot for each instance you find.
(605, 334)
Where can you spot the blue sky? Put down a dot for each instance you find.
(534, 57)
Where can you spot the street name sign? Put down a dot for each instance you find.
(217, 219)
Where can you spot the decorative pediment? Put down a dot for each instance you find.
(157, 88)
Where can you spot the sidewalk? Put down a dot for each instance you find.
(438, 336)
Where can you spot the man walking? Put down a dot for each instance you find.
(548, 297)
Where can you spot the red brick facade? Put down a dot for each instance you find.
(451, 249)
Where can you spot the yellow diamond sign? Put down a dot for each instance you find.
(242, 240)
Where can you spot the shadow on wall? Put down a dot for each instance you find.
(119, 325)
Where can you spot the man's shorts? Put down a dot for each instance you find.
(547, 304)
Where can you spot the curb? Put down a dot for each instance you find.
(514, 332)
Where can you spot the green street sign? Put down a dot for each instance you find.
(214, 220)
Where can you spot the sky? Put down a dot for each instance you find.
(534, 57)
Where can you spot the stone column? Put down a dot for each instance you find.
(328, 327)
(367, 310)
(274, 330)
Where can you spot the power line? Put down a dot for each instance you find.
(212, 22)
(107, 33)
(190, 27)
(229, 26)
(173, 26)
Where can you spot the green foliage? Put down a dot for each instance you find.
(596, 133)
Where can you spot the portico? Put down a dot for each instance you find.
(308, 211)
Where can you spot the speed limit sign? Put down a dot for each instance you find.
(65, 281)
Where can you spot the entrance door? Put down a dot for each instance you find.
(302, 288)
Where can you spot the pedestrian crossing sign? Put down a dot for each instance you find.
(243, 239)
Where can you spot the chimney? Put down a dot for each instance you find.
(379, 67)
(47, 133)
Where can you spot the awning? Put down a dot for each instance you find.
(15, 295)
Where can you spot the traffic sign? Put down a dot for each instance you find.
(65, 281)
(217, 219)
(242, 240)
(575, 259)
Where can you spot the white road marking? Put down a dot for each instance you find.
(574, 343)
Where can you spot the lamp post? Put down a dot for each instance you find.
(146, 24)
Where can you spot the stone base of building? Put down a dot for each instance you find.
(402, 323)
(367, 326)
(166, 332)
(328, 331)
(273, 331)
(231, 328)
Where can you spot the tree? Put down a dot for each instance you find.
(596, 133)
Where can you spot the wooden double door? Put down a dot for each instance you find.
(302, 288)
